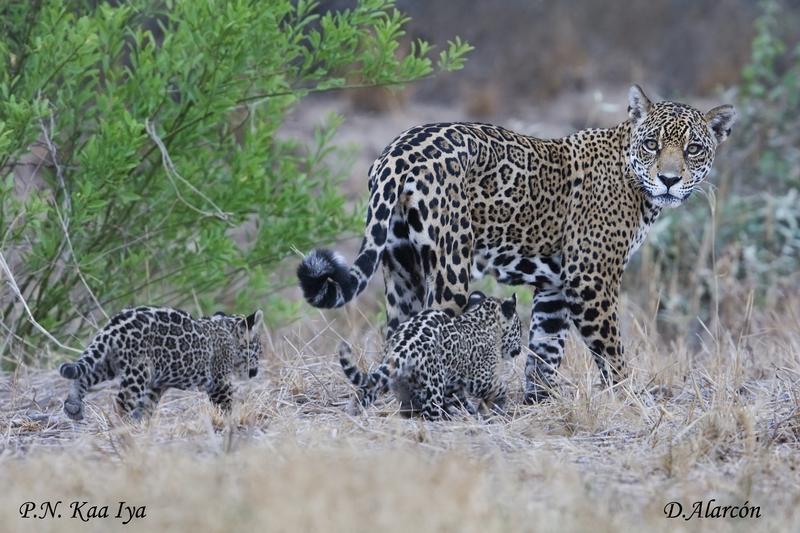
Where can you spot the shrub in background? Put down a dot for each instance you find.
(138, 152)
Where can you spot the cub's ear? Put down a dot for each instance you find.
(720, 121)
(638, 104)
(255, 320)
(509, 306)
(475, 298)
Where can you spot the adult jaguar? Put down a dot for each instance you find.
(452, 202)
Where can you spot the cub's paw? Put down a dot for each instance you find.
(137, 415)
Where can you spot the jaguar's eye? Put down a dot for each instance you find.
(693, 149)
(651, 145)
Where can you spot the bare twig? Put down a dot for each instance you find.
(15, 288)
(172, 175)
(75, 261)
(51, 148)
(63, 217)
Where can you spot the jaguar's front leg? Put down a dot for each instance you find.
(594, 310)
(550, 321)
(148, 402)
(495, 401)
(221, 394)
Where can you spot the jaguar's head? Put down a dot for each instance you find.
(673, 145)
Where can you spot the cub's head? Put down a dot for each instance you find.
(505, 312)
(249, 345)
(245, 334)
(673, 145)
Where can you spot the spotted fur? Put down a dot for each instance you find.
(433, 362)
(152, 349)
(452, 202)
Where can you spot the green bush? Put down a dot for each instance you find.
(147, 131)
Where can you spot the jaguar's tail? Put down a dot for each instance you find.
(325, 278)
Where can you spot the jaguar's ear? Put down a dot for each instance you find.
(255, 320)
(509, 306)
(720, 121)
(475, 298)
(638, 104)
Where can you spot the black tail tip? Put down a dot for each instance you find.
(324, 279)
(69, 371)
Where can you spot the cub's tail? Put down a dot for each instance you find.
(369, 384)
(325, 278)
(357, 377)
(89, 359)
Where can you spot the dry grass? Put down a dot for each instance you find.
(719, 422)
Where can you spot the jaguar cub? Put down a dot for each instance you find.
(433, 360)
(152, 349)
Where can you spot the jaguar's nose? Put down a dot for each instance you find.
(669, 181)
(253, 372)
